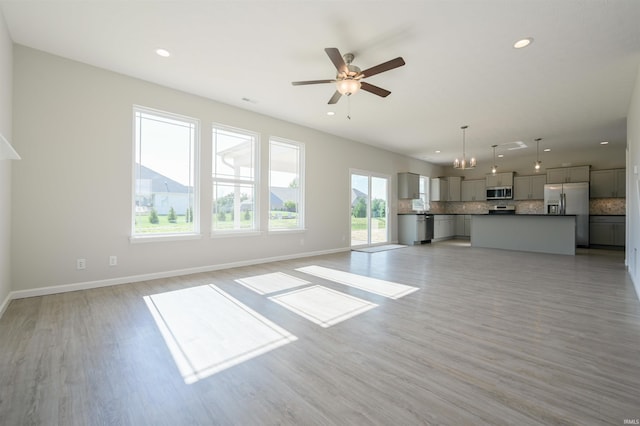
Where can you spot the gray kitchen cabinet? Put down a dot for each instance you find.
(568, 174)
(459, 220)
(499, 179)
(529, 187)
(408, 186)
(454, 183)
(439, 189)
(607, 230)
(444, 227)
(473, 190)
(411, 230)
(463, 225)
(608, 183)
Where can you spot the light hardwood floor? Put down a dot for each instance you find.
(491, 337)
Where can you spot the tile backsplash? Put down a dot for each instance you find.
(597, 206)
(607, 206)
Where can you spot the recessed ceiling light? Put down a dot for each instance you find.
(331, 113)
(438, 151)
(547, 149)
(163, 52)
(604, 143)
(523, 42)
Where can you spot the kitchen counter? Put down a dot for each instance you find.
(539, 233)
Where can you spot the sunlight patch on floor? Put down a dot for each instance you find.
(372, 285)
(322, 305)
(207, 330)
(271, 283)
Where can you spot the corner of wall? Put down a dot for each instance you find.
(6, 119)
(633, 186)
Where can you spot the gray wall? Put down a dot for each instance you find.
(72, 189)
(633, 187)
(6, 68)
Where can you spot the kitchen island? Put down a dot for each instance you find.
(525, 232)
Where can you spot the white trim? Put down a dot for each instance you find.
(64, 288)
(5, 303)
(302, 159)
(239, 233)
(286, 231)
(157, 238)
(195, 159)
(254, 182)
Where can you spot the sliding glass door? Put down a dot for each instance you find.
(369, 213)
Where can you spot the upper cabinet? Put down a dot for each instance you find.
(439, 189)
(474, 190)
(568, 174)
(608, 183)
(445, 188)
(408, 186)
(529, 187)
(454, 188)
(499, 179)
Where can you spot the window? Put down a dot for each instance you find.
(166, 147)
(422, 203)
(235, 156)
(369, 212)
(286, 185)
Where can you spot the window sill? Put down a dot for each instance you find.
(232, 234)
(162, 238)
(286, 231)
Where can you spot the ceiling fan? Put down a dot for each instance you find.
(349, 78)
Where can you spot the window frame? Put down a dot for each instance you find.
(240, 181)
(425, 196)
(300, 146)
(195, 160)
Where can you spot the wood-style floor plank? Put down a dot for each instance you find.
(491, 337)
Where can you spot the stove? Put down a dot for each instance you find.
(502, 210)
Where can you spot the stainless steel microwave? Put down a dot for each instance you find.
(500, 193)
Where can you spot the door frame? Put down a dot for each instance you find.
(370, 175)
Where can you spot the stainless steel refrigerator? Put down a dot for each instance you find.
(570, 199)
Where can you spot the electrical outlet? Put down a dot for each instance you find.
(113, 260)
(81, 264)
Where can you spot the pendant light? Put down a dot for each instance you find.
(538, 162)
(494, 169)
(462, 164)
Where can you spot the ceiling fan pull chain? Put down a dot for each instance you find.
(349, 107)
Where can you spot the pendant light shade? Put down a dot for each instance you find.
(538, 162)
(463, 164)
(494, 169)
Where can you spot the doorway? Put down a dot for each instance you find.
(369, 209)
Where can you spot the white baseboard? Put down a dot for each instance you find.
(5, 303)
(43, 291)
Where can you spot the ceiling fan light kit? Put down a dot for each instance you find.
(349, 77)
(348, 86)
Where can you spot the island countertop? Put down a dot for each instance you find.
(541, 233)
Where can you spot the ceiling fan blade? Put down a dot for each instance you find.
(336, 58)
(374, 89)
(302, 83)
(335, 98)
(386, 66)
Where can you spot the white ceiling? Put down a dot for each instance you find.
(571, 87)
